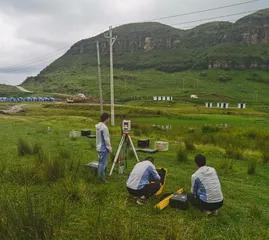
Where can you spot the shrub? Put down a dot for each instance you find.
(252, 164)
(182, 154)
(209, 129)
(189, 144)
(223, 78)
(233, 151)
(24, 148)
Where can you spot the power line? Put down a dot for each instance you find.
(35, 60)
(205, 19)
(21, 66)
(206, 10)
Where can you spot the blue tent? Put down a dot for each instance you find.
(28, 99)
(1, 99)
(52, 99)
(34, 99)
(20, 99)
(12, 99)
(40, 99)
(46, 99)
(4, 99)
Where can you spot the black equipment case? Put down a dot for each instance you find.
(85, 133)
(179, 201)
(143, 143)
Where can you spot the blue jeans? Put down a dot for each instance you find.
(102, 163)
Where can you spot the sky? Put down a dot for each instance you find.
(33, 33)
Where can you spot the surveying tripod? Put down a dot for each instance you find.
(125, 137)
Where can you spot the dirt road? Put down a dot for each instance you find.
(23, 89)
(14, 109)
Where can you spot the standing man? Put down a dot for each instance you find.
(206, 191)
(103, 146)
(139, 183)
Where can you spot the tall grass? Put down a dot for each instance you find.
(252, 164)
(24, 147)
(226, 165)
(40, 155)
(21, 220)
(182, 155)
(265, 153)
(53, 169)
(209, 129)
(233, 151)
(3, 167)
(189, 143)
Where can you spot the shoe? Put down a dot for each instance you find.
(142, 200)
(215, 212)
(104, 181)
(206, 213)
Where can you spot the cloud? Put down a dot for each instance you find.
(33, 28)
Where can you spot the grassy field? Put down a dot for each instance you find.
(47, 193)
(249, 86)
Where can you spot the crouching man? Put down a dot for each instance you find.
(206, 191)
(144, 181)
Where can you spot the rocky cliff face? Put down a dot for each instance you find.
(253, 29)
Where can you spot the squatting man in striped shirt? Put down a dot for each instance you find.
(206, 192)
(144, 181)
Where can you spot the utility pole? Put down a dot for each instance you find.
(111, 41)
(99, 77)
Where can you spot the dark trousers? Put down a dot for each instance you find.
(147, 191)
(198, 203)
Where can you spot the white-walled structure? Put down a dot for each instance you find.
(241, 105)
(162, 98)
(208, 105)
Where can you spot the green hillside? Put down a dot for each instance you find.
(8, 91)
(155, 59)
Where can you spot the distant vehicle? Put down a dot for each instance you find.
(194, 96)
(81, 98)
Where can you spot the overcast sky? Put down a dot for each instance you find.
(31, 31)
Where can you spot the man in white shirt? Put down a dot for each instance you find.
(140, 182)
(103, 146)
(206, 191)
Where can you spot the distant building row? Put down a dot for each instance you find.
(163, 98)
(27, 99)
(225, 105)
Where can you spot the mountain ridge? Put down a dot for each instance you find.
(216, 45)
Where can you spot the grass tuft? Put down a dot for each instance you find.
(24, 148)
